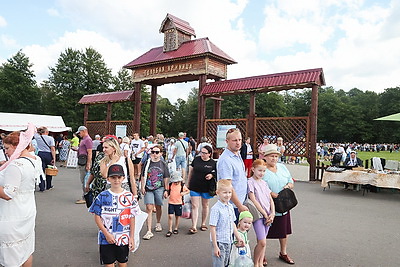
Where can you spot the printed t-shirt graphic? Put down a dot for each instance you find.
(116, 211)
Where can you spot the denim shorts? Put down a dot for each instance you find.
(180, 162)
(200, 194)
(154, 197)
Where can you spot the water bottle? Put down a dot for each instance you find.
(243, 260)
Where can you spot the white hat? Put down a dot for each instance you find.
(271, 149)
(175, 177)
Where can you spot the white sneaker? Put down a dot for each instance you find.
(148, 235)
(158, 227)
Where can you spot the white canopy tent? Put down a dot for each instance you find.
(18, 121)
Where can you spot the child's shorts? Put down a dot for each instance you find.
(175, 209)
(111, 253)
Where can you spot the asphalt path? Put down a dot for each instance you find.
(335, 227)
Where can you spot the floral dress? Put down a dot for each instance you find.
(99, 183)
(64, 148)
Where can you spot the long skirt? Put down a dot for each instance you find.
(281, 227)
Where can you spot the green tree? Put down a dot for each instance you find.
(76, 74)
(18, 89)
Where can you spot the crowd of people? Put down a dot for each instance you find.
(119, 172)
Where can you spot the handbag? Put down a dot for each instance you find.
(82, 160)
(285, 201)
(88, 198)
(253, 209)
(212, 191)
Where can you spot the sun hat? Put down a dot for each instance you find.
(126, 140)
(270, 149)
(181, 134)
(115, 170)
(175, 177)
(245, 214)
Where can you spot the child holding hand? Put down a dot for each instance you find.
(177, 189)
(222, 225)
(244, 225)
(260, 194)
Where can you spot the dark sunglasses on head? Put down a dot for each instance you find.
(155, 152)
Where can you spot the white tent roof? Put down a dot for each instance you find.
(19, 121)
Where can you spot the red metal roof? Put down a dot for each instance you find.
(193, 48)
(179, 24)
(119, 96)
(270, 82)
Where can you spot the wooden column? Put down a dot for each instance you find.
(201, 108)
(312, 159)
(85, 114)
(136, 115)
(217, 109)
(153, 110)
(251, 120)
(108, 118)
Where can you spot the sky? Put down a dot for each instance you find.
(356, 42)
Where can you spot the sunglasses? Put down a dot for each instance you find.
(155, 152)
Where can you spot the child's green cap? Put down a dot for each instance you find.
(245, 214)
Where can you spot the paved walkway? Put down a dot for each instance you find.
(331, 228)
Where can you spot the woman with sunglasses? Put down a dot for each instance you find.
(113, 155)
(154, 187)
(202, 178)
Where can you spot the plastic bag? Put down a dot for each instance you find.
(187, 207)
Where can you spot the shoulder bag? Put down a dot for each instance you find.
(253, 209)
(285, 201)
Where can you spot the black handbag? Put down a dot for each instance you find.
(285, 201)
(88, 198)
(82, 160)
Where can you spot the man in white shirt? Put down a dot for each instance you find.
(137, 147)
(181, 153)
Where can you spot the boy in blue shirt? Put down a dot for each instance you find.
(222, 226)
(113, 214)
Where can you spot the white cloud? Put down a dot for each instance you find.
(3, 22)
(53, 12)
(355, 44)
(8, 42)
(45, 56)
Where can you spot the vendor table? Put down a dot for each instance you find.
(362, 178)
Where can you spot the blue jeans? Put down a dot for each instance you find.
(225, 252)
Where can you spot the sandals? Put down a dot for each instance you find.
(265, 263)
(285, 258)
(176, 232)
(192, 231)
(203, 228)
(169, 233)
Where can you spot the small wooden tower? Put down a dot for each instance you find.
(176, 31)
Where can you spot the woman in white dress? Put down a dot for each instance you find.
(17, 200)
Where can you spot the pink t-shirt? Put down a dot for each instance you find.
(85, 144)
(261, 191)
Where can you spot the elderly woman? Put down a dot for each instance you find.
(17, 199)
(202, 177)
(278, 177)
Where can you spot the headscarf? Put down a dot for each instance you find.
(25, 138)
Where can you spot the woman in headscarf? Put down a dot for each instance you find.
(18, 177)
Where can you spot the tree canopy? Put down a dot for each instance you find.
(342, 116)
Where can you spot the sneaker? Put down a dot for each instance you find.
(148, 235)
(80, 201)
(158, 228)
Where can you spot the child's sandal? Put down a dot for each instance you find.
(176, 232)
(169, 233)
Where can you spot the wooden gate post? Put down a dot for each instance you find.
(136, 114)
(153, 110)
(251, 121)
(313, 132)
(201, 108)
(108, 119)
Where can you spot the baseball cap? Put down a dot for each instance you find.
(181, 134)
(81, 128)
(115, 170)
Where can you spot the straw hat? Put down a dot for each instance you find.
(270, 149)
